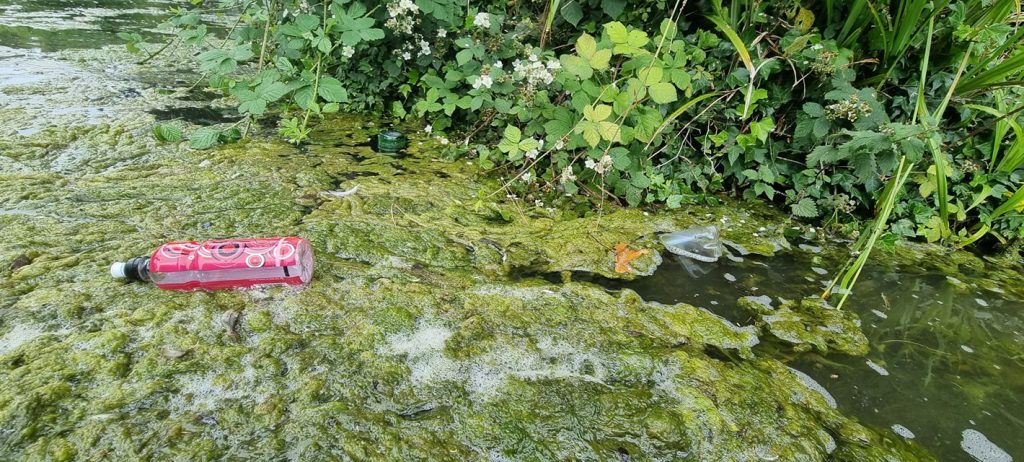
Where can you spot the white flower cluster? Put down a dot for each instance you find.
(403, 16)
(602, 165)
(483, 81)
(567, 176)
(482, 20)
(415, 47)
(535, 72)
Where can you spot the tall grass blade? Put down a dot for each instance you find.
(552, 12)
(1010, 205)
(886, 203)
(736, 43)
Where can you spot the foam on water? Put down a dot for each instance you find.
(18, 336)
(875, 367)
(762, 300)
(483, 375)
(808, 382)
(903, 431)
(981, 449)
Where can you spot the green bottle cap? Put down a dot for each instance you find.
(391, 141)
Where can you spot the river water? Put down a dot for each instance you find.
(945, 367)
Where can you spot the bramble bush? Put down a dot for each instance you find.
(653, 102)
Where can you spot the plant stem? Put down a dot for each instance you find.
(266, 34)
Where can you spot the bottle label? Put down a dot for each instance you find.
(227, 263)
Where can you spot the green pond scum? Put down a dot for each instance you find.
(444, 321)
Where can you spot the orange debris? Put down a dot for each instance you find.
(623, 256)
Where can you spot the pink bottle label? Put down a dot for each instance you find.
(232, 263)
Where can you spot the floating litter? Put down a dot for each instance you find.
(701, 243)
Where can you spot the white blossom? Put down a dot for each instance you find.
(402, 16)
(567, 175)
(498, 64)
(406, 55)
(441, 33)
(559, 144)
(554, 64)
(531, 154)
(533, 71)
(483, 81)
(428, 129)
(347, 51)
(482, 20)
(527, 177)
(601, 166)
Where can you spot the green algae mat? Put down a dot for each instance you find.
(428, 331)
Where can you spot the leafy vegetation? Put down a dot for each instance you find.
(824, 109)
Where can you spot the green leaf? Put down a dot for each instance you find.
(617, 32)
(571, 12)
(166, 133)
(271, 92)
(762, 128)
(586, 47)
(330, 89)
(557, 127)
(650, 75)
(510, 139)
(204, 138)
(254, 107)
(637, 38)
(464, 56)
(306, 22)
(639, 180)
(663, 93)
(610, 131)
(578, 66)
(620, 158)
(805, 208)
(814, 110)
(590, 131)
(597, 113)
(613, 8)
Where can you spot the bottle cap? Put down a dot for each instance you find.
(117, 270)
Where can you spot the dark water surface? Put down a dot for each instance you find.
(946, 349)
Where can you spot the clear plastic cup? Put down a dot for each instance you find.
(700, 243)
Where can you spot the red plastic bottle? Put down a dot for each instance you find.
(222, 264)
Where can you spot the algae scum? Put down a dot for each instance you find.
(439, 325)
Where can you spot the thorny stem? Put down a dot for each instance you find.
(157, 52)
